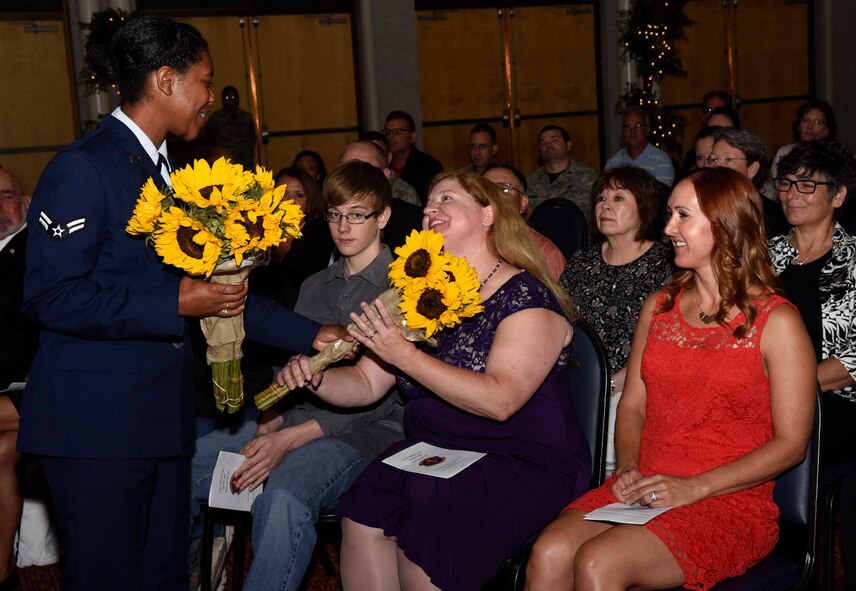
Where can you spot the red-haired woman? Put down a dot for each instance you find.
(714, 407)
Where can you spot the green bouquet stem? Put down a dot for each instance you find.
(228, 384)
(338, 349)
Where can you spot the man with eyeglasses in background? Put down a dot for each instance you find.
(637, 151)
(482, 148)
(711, 101)
(408, 162)
(513, 184)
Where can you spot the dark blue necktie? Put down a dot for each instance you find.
(163, 163)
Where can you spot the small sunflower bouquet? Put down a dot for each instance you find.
(431, 290)
(218, 221)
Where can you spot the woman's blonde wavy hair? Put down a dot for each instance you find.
(740, 261)
(508, 237)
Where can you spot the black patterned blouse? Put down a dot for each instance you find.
(610, 297)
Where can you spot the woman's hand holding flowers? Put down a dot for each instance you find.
(379, 334)
(200, 298)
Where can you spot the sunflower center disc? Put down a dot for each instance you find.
(430, 304)
(418, 263)
(184, 236)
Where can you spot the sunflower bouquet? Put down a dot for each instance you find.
(218, 221)
(431, 290)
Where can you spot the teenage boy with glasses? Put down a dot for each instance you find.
(305, 452)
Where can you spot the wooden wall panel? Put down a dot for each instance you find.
(307, 72)
(282, 150)
(460, 65)
(772, 49)
(554, 59)
(703, 56)
(772, 121)
(771, 60)
(36, 107)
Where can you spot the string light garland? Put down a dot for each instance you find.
(647, 32)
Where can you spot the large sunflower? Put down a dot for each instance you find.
(465, 279)
(419, 261)
(264, 178)
(186, 243)
(259, 225)
(215, 186)
(431, 307)
(147, 210)
(292, 218)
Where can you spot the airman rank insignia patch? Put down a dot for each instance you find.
(59, 231)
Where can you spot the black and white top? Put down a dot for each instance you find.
(837, 287)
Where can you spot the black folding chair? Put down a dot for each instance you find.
(589, 380)
(563, 222)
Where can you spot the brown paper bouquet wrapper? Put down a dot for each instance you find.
(224, 337)
(338, 349)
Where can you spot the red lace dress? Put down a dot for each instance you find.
(708, 403)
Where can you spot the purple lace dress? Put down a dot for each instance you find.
(461, 529)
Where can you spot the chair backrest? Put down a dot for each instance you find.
(797, 494)
(563, 222)
(589, 379)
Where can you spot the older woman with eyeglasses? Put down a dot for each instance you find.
(817, 265)
(746, 153)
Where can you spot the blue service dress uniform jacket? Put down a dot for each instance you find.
(112, 378)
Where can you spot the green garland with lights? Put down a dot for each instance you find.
(100, 29)
(647, 32)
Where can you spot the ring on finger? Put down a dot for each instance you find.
(371, 336)
(653, 496)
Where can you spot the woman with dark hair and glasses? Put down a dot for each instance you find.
(609, 281)
(814, 120)
(817, 265)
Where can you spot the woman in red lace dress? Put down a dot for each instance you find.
(717, 402)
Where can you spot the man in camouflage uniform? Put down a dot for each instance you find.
(560, 176)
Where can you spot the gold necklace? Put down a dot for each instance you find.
(705, 318)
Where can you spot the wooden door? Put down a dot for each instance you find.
(766, 64)
(307, 85)
(515, 68)
(37, 106)
(556, 79)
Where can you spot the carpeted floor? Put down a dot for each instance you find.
(47, 578)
